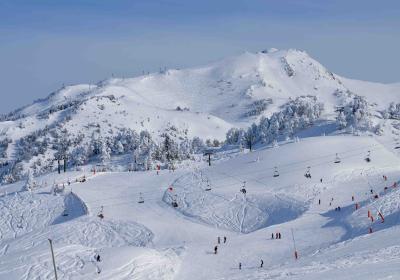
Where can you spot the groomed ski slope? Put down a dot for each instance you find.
(153, 240)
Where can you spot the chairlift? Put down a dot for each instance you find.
(276, 173)
(308, 173)
(368, 157)
(337, 159)
(100, 214)
(141, 199)
(65, 213)
(208, 188)
(243, 190)
(174, 203)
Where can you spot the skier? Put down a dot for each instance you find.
(272, 236)
(321, 180)
(262, 264)
(338, 208)
(240, 266)
(319, 201)
(352, 198)
(280, 236)
(224, 239)
(219, 240)
(371, 191)
(97, 257)
(215, 249)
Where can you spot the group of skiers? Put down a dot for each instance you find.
(219, 242)
(261, 264)
(277, 236)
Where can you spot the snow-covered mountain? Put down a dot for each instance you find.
(204, 102)
(304, 186)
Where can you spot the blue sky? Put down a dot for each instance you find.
(45, 43)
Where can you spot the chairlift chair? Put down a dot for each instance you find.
(337, 159)
(141, 199)
(208, 188)
(368, 157)
(65, 213)
(243, 190)
(174, 203)
(276, 173)
(100, 214)
(308, 173)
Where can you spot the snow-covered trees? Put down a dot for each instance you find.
(251, 135)
(119, 148)
(355, 114)
(394, 111)
(79, 155)
(198, 145)
(105, 152)
(143, 154)
(296, 114)
(30, 182)
(341, 120)
(12, 172)
(232, 136)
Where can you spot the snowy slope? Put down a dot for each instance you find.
(153, 240)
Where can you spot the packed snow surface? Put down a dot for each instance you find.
(154, 240)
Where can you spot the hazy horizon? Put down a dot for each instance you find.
(47, 44)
